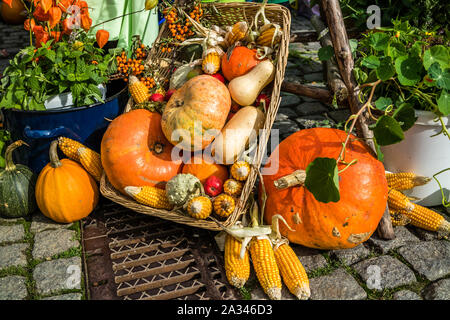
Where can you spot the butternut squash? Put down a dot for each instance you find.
(245, 89)
(235, 136)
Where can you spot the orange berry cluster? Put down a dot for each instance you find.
(148, 81)
(135, 66)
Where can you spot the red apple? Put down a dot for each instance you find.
(213, 186)
(157, 97)
(219, 77)
(169, 93)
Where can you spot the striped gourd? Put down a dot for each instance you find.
(240, 170)
(236, 33)
(138, 90)
(232, 187)
(199, 207)
(149, 196)
(292, 271)
(237, 269)
(224, 205)
(265, 265)
(70, 148)
(91, 161)
(269, 37)
(405, 180)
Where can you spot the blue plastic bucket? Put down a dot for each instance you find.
(84, 124)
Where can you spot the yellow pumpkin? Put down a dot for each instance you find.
(65, 192)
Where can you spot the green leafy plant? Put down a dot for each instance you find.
(75, 66)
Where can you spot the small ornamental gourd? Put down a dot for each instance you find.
(236, 33)
(240, 170)
(17, 183)
(232, 187)
(270, 37)
(224, 205)
(65, 191)
(182, 188)
(199, 207)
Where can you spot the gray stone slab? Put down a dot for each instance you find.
(13, 255)
(384, 272)
(56, 275)
(340, 115)
(291, 100)
(310, 108)
(311, 259)
(314, 77)
(68, 296)
(12, 233)
(13, 288)
(308, 122)
(41, 223)
(351, 256)
(52, 242)
(285, 127)
(402, 237)
(439, 290)
(406, 295)
(285, 113)
(338, 285)
(258, 293)
(429, 258)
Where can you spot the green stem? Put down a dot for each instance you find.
(445, 203)
(9, 164)
(93, 27)
(53, 153)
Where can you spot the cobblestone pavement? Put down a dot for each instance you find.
(39, 259)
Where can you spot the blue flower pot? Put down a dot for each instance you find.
(84, 124)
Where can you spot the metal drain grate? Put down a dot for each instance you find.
(135, 257)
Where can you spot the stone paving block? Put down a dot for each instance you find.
(429, 258)
(290, 100)
(338, 285)
(41, 223)
(11, 233)
(285, 113)
(311, 259)
(68, 296)
(351, 256)
(286, 127)
(308, 122)
(258, 293)
(314, 77)
(439, 290)
(402, 237)
(406, 295)
(13, 288)
(56, 275)
(52, 242)
(384, 272)
(310, 108)
(340, 115)
(13, 255)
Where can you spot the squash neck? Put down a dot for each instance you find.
(9, 163)
(296, 178)
(53, 154)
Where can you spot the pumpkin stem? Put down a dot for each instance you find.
(296, 178)
(53, 153)
(9, 164)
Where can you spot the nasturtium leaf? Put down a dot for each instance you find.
(371, 62)
(409, 70)
(353, 45)
(405, 115)
(442, 77)
(325, 53)
(379, 41)
(416, 48)
(387, 131)
(360, 76)
(386, 69)
(322, 180)
(382, 103)
(443, 102)
(395, 50)
(439, 54)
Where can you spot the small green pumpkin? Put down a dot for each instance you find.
(17, 184)
(182, 188)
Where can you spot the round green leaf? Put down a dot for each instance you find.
(325, 53)
(386, 69)
(387, 131)
(322, 180)
(382, 103)
(405, 115)
(444, 103)
(371, 62)
(409, 70)
(395, 50)
(379, 41)
(442, 77)
(439, 54)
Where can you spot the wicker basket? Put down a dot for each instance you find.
(224, 14)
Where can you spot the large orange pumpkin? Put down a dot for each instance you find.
(333, 225)
(203, 168)
(241, 61)
(135, 152)
(65, 192)
(201, 104)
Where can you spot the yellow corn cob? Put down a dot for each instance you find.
(237, 269)
(224, 205)
(292, 271)
(91, 161)
(138, 90)
(269, 37)
(150, 196)
(420, 216)
(199, 207)
(240, 170)
(398, 219)
(70, 148)
(232, 187)
(237, 33)
(211, 63)
(265, 266)
(405, 180)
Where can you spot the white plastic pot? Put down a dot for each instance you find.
(64, 100)
(424, 155)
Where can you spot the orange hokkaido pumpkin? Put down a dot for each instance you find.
(333, 225)
(241, 61)
(203, 168)
(134, 151)
(65, 192)
(196, 113)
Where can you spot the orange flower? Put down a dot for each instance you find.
(56, 35)
(64, 5)
(67, 26)
(102, 37)
(54, 16)
(46, 5)
(86, 22)
(29, 24)
(40, 15)
(41, 36)
(8, 2)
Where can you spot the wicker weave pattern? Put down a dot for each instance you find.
(224, 14)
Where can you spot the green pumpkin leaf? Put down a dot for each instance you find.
(382, 103)
(409, 70)
(443, 102)
(379, 41)
(386, 69)
(325, 53)
(442, 77)
(371, 62)
(322, 180)
(387, 131)
(439, 54)
(405, 115)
